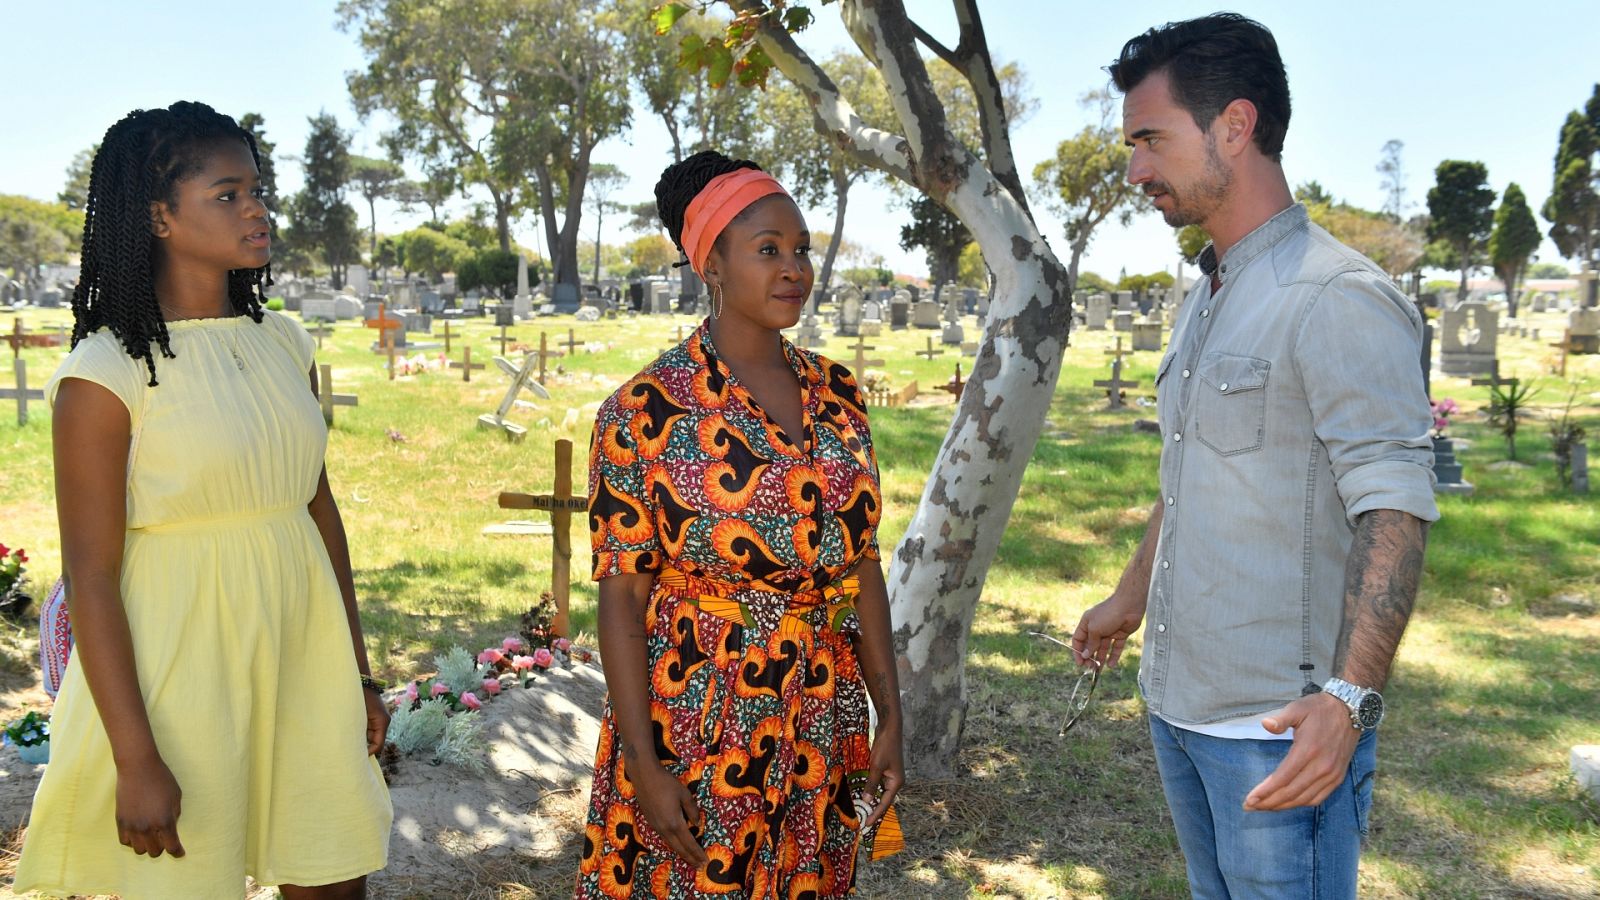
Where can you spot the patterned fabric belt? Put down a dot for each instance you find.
(832, 606)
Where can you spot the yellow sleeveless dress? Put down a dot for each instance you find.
(240, 639)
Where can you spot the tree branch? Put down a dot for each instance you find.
(939, 50)
(977, 64)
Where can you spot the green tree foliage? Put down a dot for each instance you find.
(76, 192)
(1094, 283)
(490, 269)
(1573, 207)
(697, 115)
(940, 234)
(35, 233)
(1548, 270)
(971, 272)
(1086, 182)
(321, 223)
(433, 252)
(256, 124)
(649, 254)
(605, 180)
(374, 180)
(1192, 241)
(1143, 283)
(1461, 212)
(1513, 241)
(1392, 168)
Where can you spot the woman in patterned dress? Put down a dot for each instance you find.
(744, 621)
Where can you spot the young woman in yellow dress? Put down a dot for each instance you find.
(218, 717)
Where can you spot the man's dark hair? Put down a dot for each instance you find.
(141, 160)
(1211, 62)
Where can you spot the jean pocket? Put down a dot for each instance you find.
(1231, 403)
(1363, 770)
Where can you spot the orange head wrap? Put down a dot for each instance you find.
(723, 198)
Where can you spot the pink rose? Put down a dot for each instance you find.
(521, 663)
(438, 689)
(542, 657)
(511, 644)
(562, 644)
(411, 691)
(491, 685)
(471, 701)
(491, 656)
(4, 551)
(21, 556)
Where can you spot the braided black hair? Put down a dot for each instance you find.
(680, 182)
(141, 160)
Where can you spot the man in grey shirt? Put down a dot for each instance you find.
(1282, 559)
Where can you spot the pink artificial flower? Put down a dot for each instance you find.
(521, 663)
(491, 686)
(438, 689)
(491, 656)
(471, 701)
(4, 551)
(511, 644)
(562, 644)
(411, 691)
(21, 556)
(542, 657)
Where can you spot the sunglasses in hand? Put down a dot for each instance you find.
(1082, 687)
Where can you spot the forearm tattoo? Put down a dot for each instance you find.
(1381, 579)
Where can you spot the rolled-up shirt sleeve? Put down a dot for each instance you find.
(1365, 391)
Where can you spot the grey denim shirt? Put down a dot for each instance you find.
(1290, 402)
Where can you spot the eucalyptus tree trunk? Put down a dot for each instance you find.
(937, 571)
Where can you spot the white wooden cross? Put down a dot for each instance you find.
(521, 377)
(21, 393)
(327, 397)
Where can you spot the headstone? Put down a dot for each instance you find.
(588, 314)
(359, 281)
(1097, 312)
(925, 314)
(1123, 301)
(1122, 320)
(421, 323)
(969, 300)
(430, 301)
(1584, 327)
(346, 308)
(871, 318)
(50, 298)
(319, 309)
(522, 303)
(472, 303)
(1467, 340)
(1147, 335)
(565, 298)
(1447, 470)
(1116, 384)
(899, 311)
(849, 321)
(660, 298)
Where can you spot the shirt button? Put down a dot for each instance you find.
(1171, 500)
(1224, 387)
(1186, 373)
(1204, 313)
(1162, 627)
(1177, 436)
(1166, 564)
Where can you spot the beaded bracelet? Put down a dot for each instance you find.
(373, 684)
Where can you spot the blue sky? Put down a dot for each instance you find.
(1456, 80)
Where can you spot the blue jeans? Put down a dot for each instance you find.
(1309, 853)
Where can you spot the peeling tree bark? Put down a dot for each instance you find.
(937, 572)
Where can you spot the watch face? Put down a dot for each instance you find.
(1370, 712)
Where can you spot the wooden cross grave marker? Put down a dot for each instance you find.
(544, 354)
(861, 347)
(17, 338)
(448, 334)
(504, 339)
(319, 332)
(21, 393)
(673, 342)
(955, 385)
(1116, 384)
(327, 397)
(930, 353)
(388, 349)
(571, 343)
(521, 377)
(1566, 346)
(20, 338)
(386, 326)
(561, 504)
(466, 365)
(1493, 379)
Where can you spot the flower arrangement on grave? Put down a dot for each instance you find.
(875, 381)
(31, 736)
(14, 600)
(420, 364)
(438, 716)
(1442, 411)
(538, 622)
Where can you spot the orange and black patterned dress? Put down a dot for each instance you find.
(756, 700)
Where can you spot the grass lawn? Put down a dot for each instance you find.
(1497, 679)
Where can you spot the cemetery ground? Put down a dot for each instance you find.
(1496, 680)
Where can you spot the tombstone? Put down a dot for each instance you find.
(1122, 320)
(346, 308)
(564, 298)
(1446, 470)
(925, 314)
(660, 298)
(1116, 384)
(849, 321)
(522, 303)
(1584, 327)
(391, 330)
(1147, 335)
(969, 300)
(810, 336)
(50, 298)
(871, 318)
(588, 314)
(1467, 340)
(953, 332)
(357, 279)
(472, 303)
(899, 311)
(1097, 312)
(1123, 301)
(430, 301)
(319, 309)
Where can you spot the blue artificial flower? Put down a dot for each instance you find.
(29, 736)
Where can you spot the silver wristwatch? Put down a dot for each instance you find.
(1366, 705)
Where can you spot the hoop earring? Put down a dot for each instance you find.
(717, 302)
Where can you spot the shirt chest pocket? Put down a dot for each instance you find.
(1231, 403)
